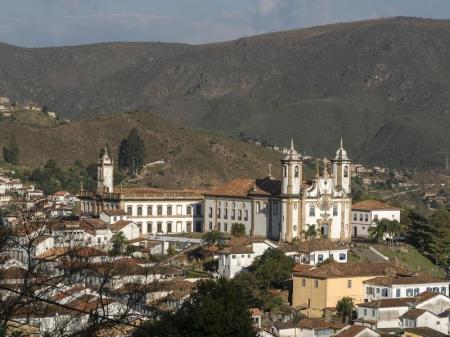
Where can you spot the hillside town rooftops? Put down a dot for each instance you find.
(373, 205)
(402, 279)
(353, 269)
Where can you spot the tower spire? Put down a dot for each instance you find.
(292, 143)
(342, 144)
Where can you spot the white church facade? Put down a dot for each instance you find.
(279, 209)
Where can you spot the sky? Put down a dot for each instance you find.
(39, 23)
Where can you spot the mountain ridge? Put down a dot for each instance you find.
(315, 84)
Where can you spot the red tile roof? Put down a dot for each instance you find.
(413, 313)
(373, 205)
(399, 302)
(114, 212)
(352, 331)
(402, 279)
(353, 269)
(426, 332)
(246, 187)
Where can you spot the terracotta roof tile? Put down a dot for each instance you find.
(319, 245)
(353, 269)
(156, 193)
(402, 279)
(244, 187)
(399, 302)
(118, 225)
(373, 205)
(426, 332)
(114, 212)
(413, 313)
(352, 331)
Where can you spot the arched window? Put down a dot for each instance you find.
(139, 210)
(320, 258)
(284, 171)
(169, 227)
(296, 172)
(346, 171)
(169, 210)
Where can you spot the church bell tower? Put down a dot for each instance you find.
(341, 169)
(105, 173)
(291, 182)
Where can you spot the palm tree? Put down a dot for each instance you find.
(212, 238)
(311, 232)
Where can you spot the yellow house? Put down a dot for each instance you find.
(322, 287)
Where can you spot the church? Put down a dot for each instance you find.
(278, 209)
(284, 209)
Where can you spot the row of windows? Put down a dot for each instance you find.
(410, 292)
(316, 283)
(362, 217)
(225, 214)
(158, 210)
(342, 257)
(218, 227)
(168, 228)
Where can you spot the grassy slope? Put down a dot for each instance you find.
(412, 259)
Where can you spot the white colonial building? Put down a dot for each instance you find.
(153, 210)
(315, 251)
(366, 213)
(397, 286)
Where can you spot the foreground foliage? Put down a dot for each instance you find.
(215, 309)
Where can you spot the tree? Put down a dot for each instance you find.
(272, 268)
(344, 308)
(131, 153)
(213, 238)
(11, 153)
(215, 309)
(439, 245)
(118, 240)
(238, 229)
(311, 232)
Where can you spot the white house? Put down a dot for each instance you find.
(111, 216)
(403, 286)
(129, 229)
(315, 251)
(367, 212)
(240, 255)
(390, 314)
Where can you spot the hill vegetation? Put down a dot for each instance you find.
(382, 84)
(190, 158)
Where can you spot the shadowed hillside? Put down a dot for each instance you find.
(192, 158)
(382, 84)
